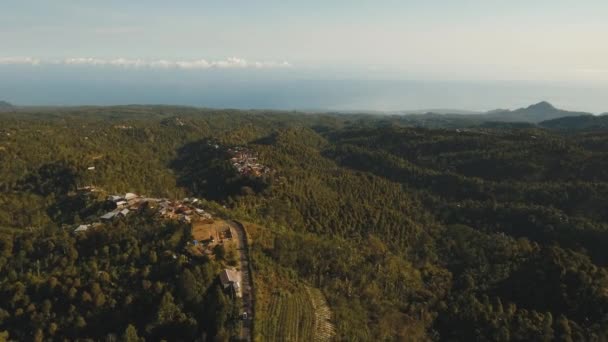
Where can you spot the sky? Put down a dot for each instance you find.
(553, 42)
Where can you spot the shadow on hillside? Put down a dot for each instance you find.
(59, 181)
(203, 168)
(50, 179)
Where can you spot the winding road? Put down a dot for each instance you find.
(246, 280)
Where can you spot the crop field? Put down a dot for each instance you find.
(323, 328)
(302, 315)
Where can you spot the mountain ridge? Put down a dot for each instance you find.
(583, 122)
(6, 106)
(536, 113)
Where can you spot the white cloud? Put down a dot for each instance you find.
(19, 60)
(228, 63)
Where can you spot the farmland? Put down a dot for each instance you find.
(301, 315)
(287, 308)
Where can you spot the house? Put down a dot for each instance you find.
(129, 196)
(230, 278)
(82, 228)
(109, 215)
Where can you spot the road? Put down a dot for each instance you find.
(246, 281)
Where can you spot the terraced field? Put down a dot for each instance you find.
(323, 328)
(302, 315)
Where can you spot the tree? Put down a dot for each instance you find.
(220, 252)
(548, 327)
(168, 311)
(190, 289)
(563, 331)
(39, 335)
(130, 334)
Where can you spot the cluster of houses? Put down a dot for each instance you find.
(184, 210)
(246, 162)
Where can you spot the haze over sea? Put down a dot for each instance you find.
(283, 89)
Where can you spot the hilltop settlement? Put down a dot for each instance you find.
(129, 203)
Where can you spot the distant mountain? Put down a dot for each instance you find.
(533, 114)
(583, 122)
(536, 113)
(439, 111)
(5, 106)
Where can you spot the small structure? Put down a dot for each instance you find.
(82, 228)
(124, 212)
(109, 215)
(129, 196)
(230, 278)
(121, 203)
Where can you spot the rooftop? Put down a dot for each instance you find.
(229, 276)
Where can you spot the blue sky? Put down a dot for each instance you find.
(554, 41)
(487, 39)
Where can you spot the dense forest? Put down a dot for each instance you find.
(451, 231)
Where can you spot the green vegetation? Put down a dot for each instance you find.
(487, 232)
(286, 309)
(583, 123)
(129, 276)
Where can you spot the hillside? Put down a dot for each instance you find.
(6, 107)
(361, 227)
(585, 122)
(533, 114)
(541, 111)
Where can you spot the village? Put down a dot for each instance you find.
(207, 233)
(183, 211)
(246, 162)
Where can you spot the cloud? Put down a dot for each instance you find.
(201, 64)
(19, 60)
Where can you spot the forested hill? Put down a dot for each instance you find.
(489, 232)
(532, 115)
(535, 113)
(585, 122)
(5, 106)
